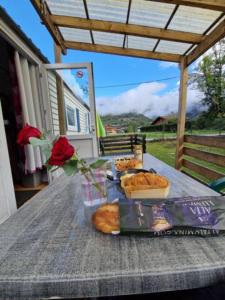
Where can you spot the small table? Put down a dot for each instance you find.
(47, 249)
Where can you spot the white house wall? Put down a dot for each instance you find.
(71, 101)
(7, 193)
(23, 49)
(53, 101)
(16, 42)
(7, 196)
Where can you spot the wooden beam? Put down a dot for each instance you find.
(204, 171)
(210, 141)
(214, 158)
(60, 93)
(188, 173)
(208, 4)
(210, 40)
(181, 113)
(57, 53)
(44, 13)
(122, 51)
(131, 29)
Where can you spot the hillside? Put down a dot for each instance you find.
(127, 122)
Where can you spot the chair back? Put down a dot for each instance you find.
(121, 144)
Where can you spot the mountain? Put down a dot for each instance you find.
(128, 122)
(194, 112)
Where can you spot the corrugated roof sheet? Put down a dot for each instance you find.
(140, 12)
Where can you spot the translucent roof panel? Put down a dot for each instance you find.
(74, 8)
(217, 23)
(149, 13)
(172, 47)
(76, 35)
(192, 19)
(191, 49)
(182, 18)
(107, 38)
(142, 43)
(108, 10)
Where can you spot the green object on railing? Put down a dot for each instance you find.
(218, 185)
(100, 127)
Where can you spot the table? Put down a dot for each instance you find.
(47, 249)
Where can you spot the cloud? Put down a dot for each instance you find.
(195, 64)
(148, 99)
(168, 64)
(70, 79)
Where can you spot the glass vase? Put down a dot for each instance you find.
(94, 192)
(94, 188)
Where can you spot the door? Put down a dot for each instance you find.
(7, 194)
(70, 92)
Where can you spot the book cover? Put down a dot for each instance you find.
(202, 216)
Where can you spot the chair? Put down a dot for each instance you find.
(121, 144)
(218, 185)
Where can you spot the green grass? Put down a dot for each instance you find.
(161, 135)
(165, 151)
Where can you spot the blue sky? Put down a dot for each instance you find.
(108, 69)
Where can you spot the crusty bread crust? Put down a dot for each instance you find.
(126, 164)
(106, 218)
(142, 181)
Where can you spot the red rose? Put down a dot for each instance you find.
(26, 133)
(62, 151)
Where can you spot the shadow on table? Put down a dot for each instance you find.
(208, 293)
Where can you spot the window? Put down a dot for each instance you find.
(70, 118)
(78, 119)
(87, 122)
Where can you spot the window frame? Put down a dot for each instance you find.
(87, 123)
(71, 127)
(77, 113)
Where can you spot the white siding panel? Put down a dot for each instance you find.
(70, 100)
(54, 111)
(53, 101)
(54, 106)
(74, 103)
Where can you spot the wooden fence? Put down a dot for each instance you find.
(216, 159)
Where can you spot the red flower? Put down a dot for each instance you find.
(26, 133)
(62, 151)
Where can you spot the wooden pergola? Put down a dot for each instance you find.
(170, 30)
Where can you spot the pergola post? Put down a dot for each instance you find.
(60, 94)
(181, 112)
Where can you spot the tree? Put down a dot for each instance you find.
(210, 79)
(219, 124)
(131, 127)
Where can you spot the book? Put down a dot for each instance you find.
(193, 216)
